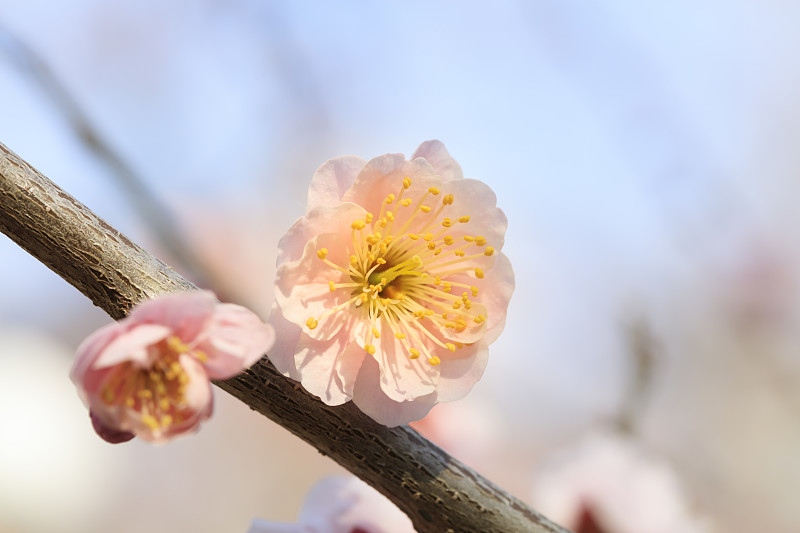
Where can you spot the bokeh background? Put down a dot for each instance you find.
(644, 153)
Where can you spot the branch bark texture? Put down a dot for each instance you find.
(438, 493)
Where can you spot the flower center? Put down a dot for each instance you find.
(156, 393)
(405, 277)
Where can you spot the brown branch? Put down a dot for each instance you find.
(437, 492)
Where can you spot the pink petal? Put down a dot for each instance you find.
(286, 339)
(436, 154)
(319, 220)
(132, 345)
(233, 340)
(461, 370)
(384, 175)
(303, 291)
(370, 398)
(347, 504)
(329, 369)
(497, 296)
(91, 348)
(331, 180)
(184, 313)
(402, 378)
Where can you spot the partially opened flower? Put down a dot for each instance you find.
(149, 374)
(342, 505)
(608, 484)
(391, 287)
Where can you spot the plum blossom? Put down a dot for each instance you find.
(392, 286)
(608, 484)
(148, 375)
(342, 504)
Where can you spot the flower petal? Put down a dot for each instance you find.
(331, 180)
(286, 339)
(233, 340)
(461, 370)
(370, 398)
(184, 313)
(436, 154)
(403, 378)
(132, 345)
(329, 369)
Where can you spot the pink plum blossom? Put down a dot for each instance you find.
(342, 505)
(609, 484)
(392, 286)
(148, 375)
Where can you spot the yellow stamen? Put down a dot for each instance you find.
(311, 322)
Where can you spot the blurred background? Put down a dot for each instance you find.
(644, 153)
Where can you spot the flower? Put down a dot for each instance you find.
(392, 286)
(608, 484)
(342, 504)
(149, 374)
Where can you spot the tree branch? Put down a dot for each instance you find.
(438, 493)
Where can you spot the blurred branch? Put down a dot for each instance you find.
(642, 346)
(152, 212)
(437, 492)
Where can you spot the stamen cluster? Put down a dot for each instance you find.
(402, 277)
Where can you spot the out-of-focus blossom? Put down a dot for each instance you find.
(392, 286)
(149, 374)
(342, 505)
(606, 484)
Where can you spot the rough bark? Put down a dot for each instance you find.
(438, 493)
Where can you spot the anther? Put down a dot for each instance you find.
(448, 239)
(433, 190)
(406, 202)
(358, 224)
(488, 251)
(390, 199)
(322, 253)
(370, 349)
(311, 322)
(425, 209)
(448, 199)
(464, 219)
(400, 335)
(447, 222)
(450, 346)
(433, 361)
(480, 241)
(479, 273)
(406, 183)
(331, 286)
(414, 353)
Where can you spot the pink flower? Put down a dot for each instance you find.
(342, 505)
(392, 286)
(608, 484)
(149, 374)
